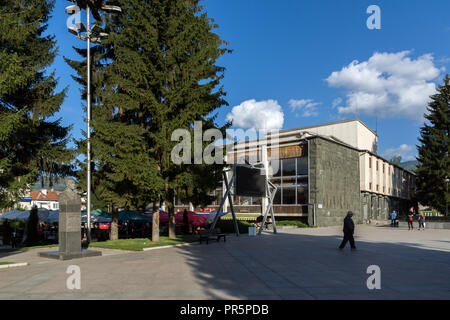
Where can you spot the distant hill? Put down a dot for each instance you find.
(410, 165)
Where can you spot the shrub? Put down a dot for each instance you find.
(294, 223)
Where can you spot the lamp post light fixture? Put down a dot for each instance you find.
(91, 6)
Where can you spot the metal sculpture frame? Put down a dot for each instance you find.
(271, 190)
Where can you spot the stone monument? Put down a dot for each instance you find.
(69, 228)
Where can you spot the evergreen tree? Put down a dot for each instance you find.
(154, 74)
(170, 46)
(124, 173)
(29, 142)
(434, 162)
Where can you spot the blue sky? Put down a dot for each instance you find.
(293, 64)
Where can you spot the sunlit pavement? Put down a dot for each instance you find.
(293, 264)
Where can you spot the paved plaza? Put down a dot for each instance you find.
(293, 264)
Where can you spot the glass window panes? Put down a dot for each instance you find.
(288, 167)
(256, 201)
(288, 195)
(302, 166)
(277, 198)
(302, 195)
(246, 201)
(275, 168)
(288, 182)
(303, 182)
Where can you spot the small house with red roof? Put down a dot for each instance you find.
(44, 198)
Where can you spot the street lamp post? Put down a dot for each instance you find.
(79, 28)
(446, 196)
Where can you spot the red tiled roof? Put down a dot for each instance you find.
(40, 196)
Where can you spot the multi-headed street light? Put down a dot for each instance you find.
(78, 29)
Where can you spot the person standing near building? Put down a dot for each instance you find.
(349, 230)
(421, 219)
(410, 220)
(393, 218)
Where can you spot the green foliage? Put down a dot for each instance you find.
(294, 223)
(155, 73)
(139, 244)
(434, 161)
(29, 143)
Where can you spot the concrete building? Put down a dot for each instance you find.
(322, 172)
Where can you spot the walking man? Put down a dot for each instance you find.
(349, 230)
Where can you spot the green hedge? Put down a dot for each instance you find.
(294, 223)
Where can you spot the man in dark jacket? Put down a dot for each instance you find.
(349, 229)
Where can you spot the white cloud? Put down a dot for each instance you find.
(388, 84)
(307, 106)
(337, 102)
(404, 150)
(262, 115)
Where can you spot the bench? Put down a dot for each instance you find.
(216, 234)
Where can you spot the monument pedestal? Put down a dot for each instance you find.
(69, 226)
(69, 256)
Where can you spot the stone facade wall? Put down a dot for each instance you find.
(334, 183)
(377, 207)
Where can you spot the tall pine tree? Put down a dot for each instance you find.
(30, 143)
(434, 162)
(124, 172)
(170, 46)
(155, 73)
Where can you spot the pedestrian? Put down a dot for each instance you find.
(410, 220)
(393, 218)
(13, 239)
(421, 219)
(349, 230)
(185, 221)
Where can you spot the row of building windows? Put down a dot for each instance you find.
(291, 167)
(291, 179)
(395, 191)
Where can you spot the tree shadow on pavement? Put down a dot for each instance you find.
(307, 266)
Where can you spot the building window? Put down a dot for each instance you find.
(277, 198)
(302, 166)
(370, 185)
(377, 165)
(288, 167)
(289, 196)
(383, 167)
(377, 187)
(292, 182)
(370, 163)
(384, 189)
(245, 201)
